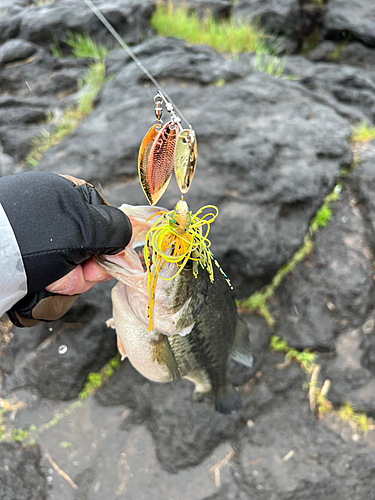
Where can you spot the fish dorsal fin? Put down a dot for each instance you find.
(241, 349)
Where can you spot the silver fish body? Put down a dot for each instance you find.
(196, 323)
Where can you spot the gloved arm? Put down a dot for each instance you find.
(58, 223)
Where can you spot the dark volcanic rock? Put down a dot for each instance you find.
(46, 23)
(7, 164)
(344, 18)
(362, 180)
(40, 74)
(16, 50)
(267, 153)
(220, 9)
(21, 477)
(185, 431)
(276, 16)
(333, 288)
(350, 372)
(36, 86)
(34, 357)
(353, 54)
(348, 90)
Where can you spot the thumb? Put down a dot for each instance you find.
(111, 230)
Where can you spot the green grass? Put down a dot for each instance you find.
(258, 301)
(363, 133)
(225, 36)
(268, 63)
(82, 46)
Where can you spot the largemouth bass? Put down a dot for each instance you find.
(196, 322)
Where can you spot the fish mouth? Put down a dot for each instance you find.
(139, 250)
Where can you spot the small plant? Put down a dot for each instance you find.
(348, 414)
(65, 444)
(270, 64)
(220, 83)
(82, 46)
(19, 434)
(305, 359)
(224, 36)
(96, 380)
(323, 216)
(363, 133)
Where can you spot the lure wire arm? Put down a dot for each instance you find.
(168, 103)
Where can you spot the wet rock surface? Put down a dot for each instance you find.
(21, 475)
(333, 288)
(342, 19)
(270, 150)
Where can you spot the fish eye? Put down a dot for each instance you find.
(188, 265)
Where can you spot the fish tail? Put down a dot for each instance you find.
(227, 400)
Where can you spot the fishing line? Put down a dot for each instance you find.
(169, 104)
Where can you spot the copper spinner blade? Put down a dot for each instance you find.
(161, 161)
(143, 156)
(185, 159)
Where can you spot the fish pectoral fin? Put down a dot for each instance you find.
(121, 348)
(110, 323)
(163, 354)
(241, 349)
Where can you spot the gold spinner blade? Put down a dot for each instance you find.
(185, 159)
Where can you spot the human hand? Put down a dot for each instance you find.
(81, 279)
(59, 223)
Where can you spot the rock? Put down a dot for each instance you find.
(276, 16)
(333, 288)
(353, 54)
(185, 431)
(362, 180)
(285, 22)
(36, 359)
(350, 372)
(220, 9)
(42, 75)
(36, 90)
(323, 52)
(10, 6)
(46, 23)
(287, 455)
(261, 129)
(21, 476)
(16, 50)
(349, 91)
(341, 21)
(7, 165)
(356, 54)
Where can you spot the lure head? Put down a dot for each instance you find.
(181, 217)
